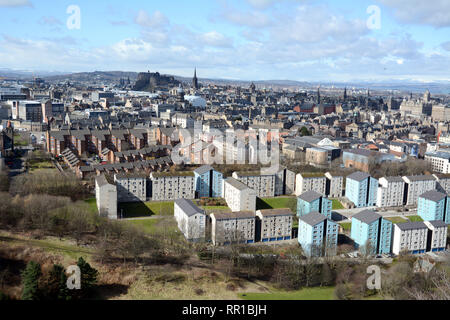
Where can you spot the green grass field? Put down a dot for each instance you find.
(277, 203)
(147, 225)
(92, 205)
(147, 209)
(324, 293)
(397, 220)
(337, 205)
(415, 219)
(346, 225)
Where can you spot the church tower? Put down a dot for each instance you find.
(318, 95)
(195, 80)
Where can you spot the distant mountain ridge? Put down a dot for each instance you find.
(437, 87)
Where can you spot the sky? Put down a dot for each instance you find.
(304, 40)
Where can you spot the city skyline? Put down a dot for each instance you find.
(249, 40)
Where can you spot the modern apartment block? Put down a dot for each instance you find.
(312, 201)
(172, 186)
(361, 189)
(264, 185)
(238, 196)
(317, 235)
(442, 183)
(208, 182)
(410, 237)
(131, 187)
(275, 224)
(433, 205)
(236, 227)
(437, 235)
(390, 192)
(334, 185)
(191, 220)
(372, 234)
(284, 182)
(415, 186)
(106, 196)
(310, 182)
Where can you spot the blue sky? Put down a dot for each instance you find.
(308, 40)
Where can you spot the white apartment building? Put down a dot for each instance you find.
(264, 185)
(310, 182)
(238, 196)
(334, 185)
(172, 186)
(236, 227)
(106, 197)
(390, 192)
(276, 224)
(284, 182)
(411, 237)
(131, 187)
(437, 235)
(439, 160)
(191, 220)
(416, 186)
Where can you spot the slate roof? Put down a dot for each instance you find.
(433, 195)
(310, 196)
(188, 207)
(313, 218)
(367, 216)
(358, 176)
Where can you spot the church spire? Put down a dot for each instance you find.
(195, 80)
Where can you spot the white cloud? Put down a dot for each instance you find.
(15, 3)
(215, 39)
(434, 13)
(446, 45)
(156, 20)
(50, 21)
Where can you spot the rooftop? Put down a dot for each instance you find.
(234, 215)
(433, 195)
(367, 216)
(276, 212)
(412, 225)
(188, 207)
(358, 176)
(313, 218)
(310, 196)
(172, 174)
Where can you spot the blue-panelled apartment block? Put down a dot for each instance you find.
(370, 230)
(312, 201)
(208, 182)
(317, 235)
(361, 189)
(434, 205)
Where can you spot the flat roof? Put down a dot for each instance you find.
(276, 212)
(235, 215)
